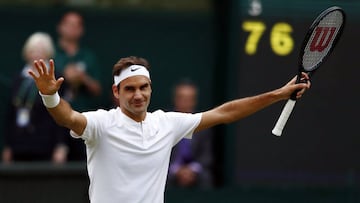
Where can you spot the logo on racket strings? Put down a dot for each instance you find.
(323, 37)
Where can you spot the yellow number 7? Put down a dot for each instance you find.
(256, 29)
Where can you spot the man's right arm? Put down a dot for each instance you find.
(65, 116)
(58, 108)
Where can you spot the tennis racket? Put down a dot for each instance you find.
(318, 43)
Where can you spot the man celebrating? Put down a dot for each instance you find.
(128, 148)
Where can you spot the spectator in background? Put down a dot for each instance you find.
(30, 132)
(80, 68)
(192, 160)
(79, 64)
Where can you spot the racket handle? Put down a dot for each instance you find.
(284, 116)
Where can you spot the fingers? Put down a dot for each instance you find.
(37, 67)
(41, 68)
(302, 87)
(52, 67)
(300, 93)
(32, 74)
(59, 82)
(298, 88)
(305, 76)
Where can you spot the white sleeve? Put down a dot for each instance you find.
(193, 121)
(184, 124)
(93, 126)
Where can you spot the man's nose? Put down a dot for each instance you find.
(138, 94)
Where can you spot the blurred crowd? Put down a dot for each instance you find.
(30, 132)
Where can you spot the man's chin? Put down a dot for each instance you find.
(139, 110)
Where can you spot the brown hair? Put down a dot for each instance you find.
(123, 63)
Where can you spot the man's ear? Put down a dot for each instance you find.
(115, 91)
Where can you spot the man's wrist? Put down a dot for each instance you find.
(50, 101)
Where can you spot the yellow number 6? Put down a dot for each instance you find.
(280, 39)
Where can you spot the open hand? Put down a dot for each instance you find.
(45, 78)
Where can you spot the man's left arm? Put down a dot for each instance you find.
(240, 108)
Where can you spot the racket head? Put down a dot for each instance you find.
(321, 39)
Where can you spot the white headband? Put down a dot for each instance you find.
(130, 71)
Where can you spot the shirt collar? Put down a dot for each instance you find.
(123, 118)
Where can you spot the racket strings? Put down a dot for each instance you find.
(322, 40)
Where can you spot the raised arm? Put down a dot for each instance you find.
(237, 109)
(48, 86)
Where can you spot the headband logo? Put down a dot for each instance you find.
(130, 71)
(134, 69)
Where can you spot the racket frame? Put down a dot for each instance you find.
(285, 114)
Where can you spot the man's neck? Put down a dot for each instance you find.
(135, 117)
(71, 47)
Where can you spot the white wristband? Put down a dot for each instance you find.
(50, 101)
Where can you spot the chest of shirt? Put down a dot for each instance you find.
(137, 145)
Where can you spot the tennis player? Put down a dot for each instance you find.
(128, 148)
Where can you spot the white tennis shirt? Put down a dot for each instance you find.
(128, 161)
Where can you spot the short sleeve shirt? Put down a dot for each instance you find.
(128, 161)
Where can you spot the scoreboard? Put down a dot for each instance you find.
(321, 141)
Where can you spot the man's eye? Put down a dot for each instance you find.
(144, 87)
(129, 88)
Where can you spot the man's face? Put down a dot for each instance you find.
(36, 53)
(134, 96)
(71, 27)
(185, 98)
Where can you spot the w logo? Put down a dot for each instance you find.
(322, 38)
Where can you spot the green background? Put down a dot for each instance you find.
(207, 45)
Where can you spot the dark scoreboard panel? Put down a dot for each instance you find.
(321, 141)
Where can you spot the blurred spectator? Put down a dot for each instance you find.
(191, 161)
(80, 69)
(79, 64)
(30, 133)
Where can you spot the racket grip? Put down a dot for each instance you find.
(284, 116)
